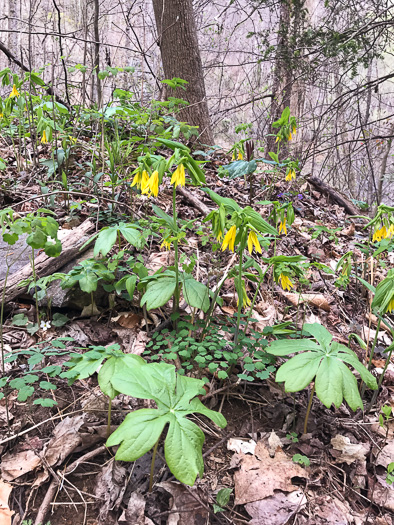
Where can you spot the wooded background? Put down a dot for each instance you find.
(330, 61)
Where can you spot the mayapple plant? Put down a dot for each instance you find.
(175, 396)
(323, 361)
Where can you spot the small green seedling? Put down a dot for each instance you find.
(222, 499)
(390, 474)
(301, 460)
(293, 437)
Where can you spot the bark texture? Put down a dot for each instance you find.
(180, 54)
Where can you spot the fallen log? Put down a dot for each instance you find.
(322, 187)
(199, 205)
(44, 265)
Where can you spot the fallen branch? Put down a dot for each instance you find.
(46, 502)
(322, 187)
(45, 265)
(194, 200)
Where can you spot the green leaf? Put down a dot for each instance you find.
(111, 367)
(320, 333)
(105, 241)
(329, 382)
(47, 403)
(223, 496)
(299, 371)
(130, 285)
(283, 347)
(195, 293)
(158, 292)
(137, 434)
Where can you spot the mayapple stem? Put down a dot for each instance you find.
(309, 409)
(152, 465)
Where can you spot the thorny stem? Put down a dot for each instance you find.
(152, 465)
(309, 409)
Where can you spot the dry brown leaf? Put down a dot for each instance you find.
(127, 319)
(65, 440)
(5, 512)
(265, 316)
(349, 231)
(383, 494)
(350, 452)
(182, 499)
(313, 299)
(135, 512)
(260, 475)
(139, 343)
(15, 465)
(246, 446)
(276, 509)
(157, 261)
(274, 444)
(110, 487)
(387, 455)
(229, 310)
(374, 320)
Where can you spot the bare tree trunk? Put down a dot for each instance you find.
(12, 27)
(180, 54)
(97, 50)
(383, 169)
(282, 83)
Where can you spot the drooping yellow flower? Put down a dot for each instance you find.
(390, 231)
(219, 236)
(1, 115)
(233, 156)
(291, 175)
(140, 179)
(294, 130)
(278, 139)
(229, 239)
(380, 234)
(289, 137)
(282, 227)
(153, 183)
(240, 156)
(178, 177)
(285, 282)
(44, 139)
(165, 244)
(390, 306)
(14, 92)
(253, 241)
(245, 299)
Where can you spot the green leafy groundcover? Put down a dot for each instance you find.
(175, 396)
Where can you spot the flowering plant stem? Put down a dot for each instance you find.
(176, 262)
(33, 268)
(240, 298)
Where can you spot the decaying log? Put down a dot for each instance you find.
(194, 200)
(322, 187)
(45, 265)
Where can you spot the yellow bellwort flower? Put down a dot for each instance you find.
(294, 130)
(278, 139)
(282, 227)
(14, 92)
(253, 241)
(1, 115)
(290, 176)
(137, 180)
(165, 244)
(240, 156)
(380, 234)
(285, 282)
(233, 156)
(229, 239)
(390, 306)
(153, 183)
(219, 236)
(44, 139)
(390, 231)
(290, 137)
(178, 177)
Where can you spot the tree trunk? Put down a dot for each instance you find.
(282, 82)
(12, 27)
(181, 58)
(97, 50)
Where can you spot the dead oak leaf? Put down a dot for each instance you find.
(5, 512)
(261, 475)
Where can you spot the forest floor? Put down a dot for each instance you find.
(54, 464)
